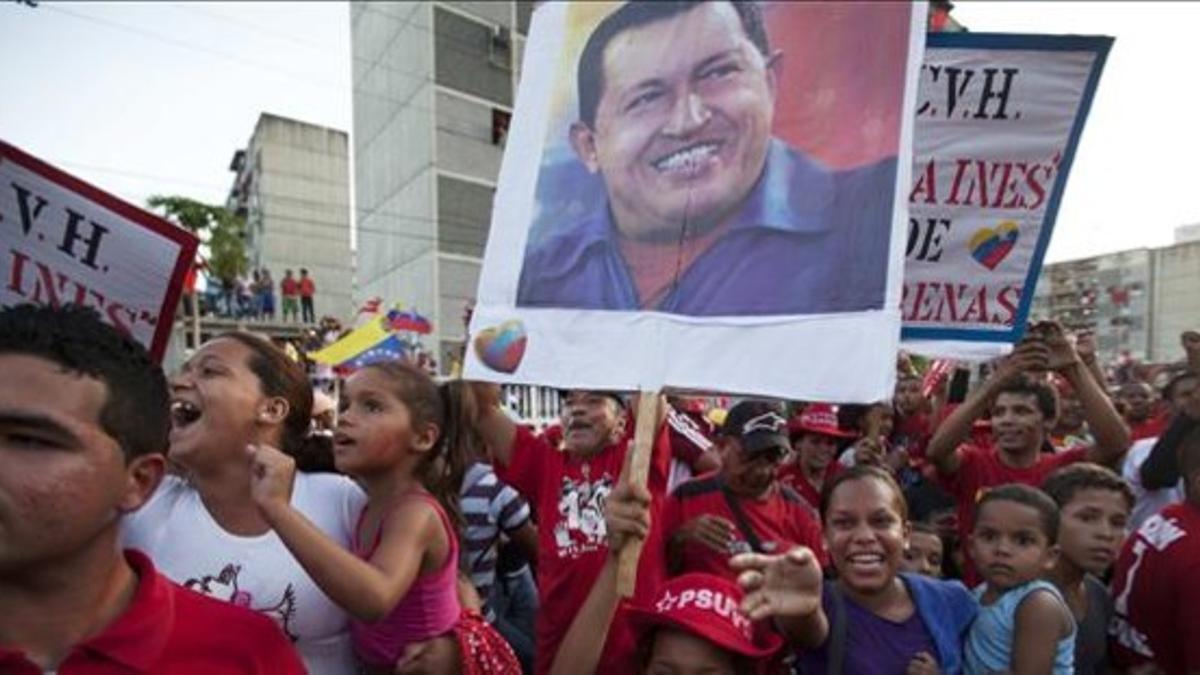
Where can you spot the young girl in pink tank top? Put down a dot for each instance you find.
(398, 580)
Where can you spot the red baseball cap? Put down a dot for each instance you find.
(819, 418)
(708, 607)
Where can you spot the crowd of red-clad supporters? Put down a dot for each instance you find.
(1042, 519)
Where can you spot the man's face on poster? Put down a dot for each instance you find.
(683, 123)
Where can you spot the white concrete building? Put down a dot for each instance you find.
(1138, 300)
(434, 84)
(292, 185)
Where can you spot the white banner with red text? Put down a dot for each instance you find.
(65, 241)
(998, 121)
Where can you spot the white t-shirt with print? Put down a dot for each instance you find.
(190, 548)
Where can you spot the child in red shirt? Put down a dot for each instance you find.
(816, 438)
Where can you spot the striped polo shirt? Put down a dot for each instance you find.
(489, 508)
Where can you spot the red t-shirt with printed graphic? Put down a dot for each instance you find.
(1156, 594)
(568, 494)
(780, 521)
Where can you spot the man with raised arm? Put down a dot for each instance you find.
(1023, 411)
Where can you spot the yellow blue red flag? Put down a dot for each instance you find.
(355, 343)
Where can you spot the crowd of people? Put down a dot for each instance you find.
(1044, 520)
(252, 296)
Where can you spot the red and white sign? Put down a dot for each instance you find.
(998, 120)
(64, 241)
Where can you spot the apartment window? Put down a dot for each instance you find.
(473, 57)
(500, 122)
(464, 214)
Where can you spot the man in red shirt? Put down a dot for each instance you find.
(83, 423)
(1138, 400)
(815, 437)
(308, 288)
(912, 427)
(289, 292)
(568, 489)
(1022, 414)
(1156, 595)
(692, 449)
(742, 508)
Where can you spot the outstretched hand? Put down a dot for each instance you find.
(272, 474)
(785, 586)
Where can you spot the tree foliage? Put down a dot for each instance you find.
(222, 232)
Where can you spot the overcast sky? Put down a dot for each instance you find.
(145, 98)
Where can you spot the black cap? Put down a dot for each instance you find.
(758, 425)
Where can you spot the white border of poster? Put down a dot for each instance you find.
(847, 356)
(986, 241)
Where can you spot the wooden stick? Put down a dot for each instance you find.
(637, 470)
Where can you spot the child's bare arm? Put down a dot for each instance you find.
(368, 590)
(1041, 622)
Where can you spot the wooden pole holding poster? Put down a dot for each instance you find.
(636, 471)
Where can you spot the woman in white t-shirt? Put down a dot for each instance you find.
(204, 530)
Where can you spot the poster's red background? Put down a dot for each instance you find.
(841, 87)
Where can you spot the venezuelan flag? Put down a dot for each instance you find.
(360, 340)
(389, 349)
(404, 320)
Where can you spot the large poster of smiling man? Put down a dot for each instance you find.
(681, 169)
